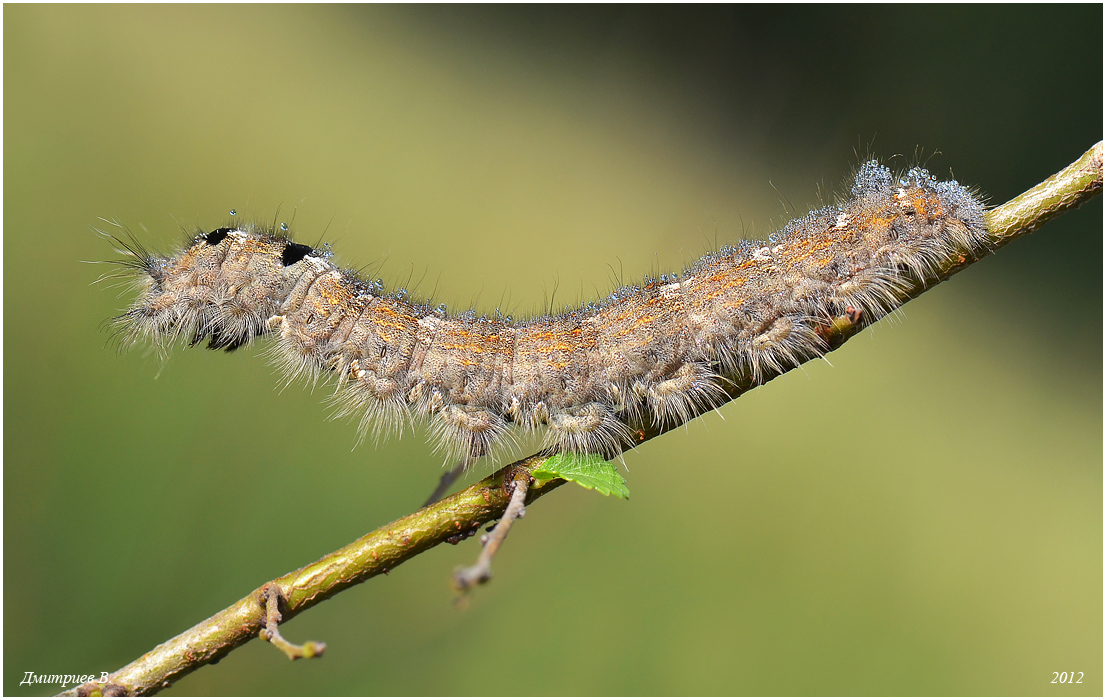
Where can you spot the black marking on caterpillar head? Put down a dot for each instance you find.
(216, 237)
(294, 252)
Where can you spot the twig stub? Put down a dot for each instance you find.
(271, 599)
(481, 572)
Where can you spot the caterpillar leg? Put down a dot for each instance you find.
(446, 481)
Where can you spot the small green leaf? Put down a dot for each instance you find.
(590, 471)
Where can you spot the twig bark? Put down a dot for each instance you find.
(462, 514)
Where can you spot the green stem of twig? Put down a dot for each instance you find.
(462, 514)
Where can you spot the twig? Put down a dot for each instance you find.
(481, 571)
(271, 599)
(462, 514)
(378, 552)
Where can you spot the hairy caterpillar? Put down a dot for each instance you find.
(657, 353)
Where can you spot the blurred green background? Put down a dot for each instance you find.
(923, 517)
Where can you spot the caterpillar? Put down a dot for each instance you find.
(656, 353)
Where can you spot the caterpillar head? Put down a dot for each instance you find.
(222, 289)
